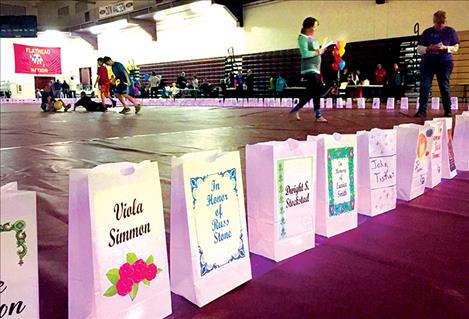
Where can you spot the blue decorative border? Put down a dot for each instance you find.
(205, 268)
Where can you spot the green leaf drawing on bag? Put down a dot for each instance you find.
(131, 258)
(18, 227)
(134, 291)
(113, 275)
(111, 291)
(159, 270)
(146, 282)
(150, 260)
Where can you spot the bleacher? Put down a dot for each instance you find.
(212, 68)
(362, 55)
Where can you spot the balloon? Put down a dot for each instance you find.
(338, 44)
(58, 105)
(146, 77)
(335, 66)
(335, 52)
(342, 65)
(343, 44)
(341, 51)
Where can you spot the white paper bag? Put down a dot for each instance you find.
(269, 102)
(461, 141)
(281, 197)
(434, 133)
(322, 104)
(448, 164)
(336, 210)
(376, 103)
(117, 262)
(411, 160)
(209, 248)
(19, 296)
(376, 171)
(296, 101)
(339, 103)
(435, 103)
(287, 102)
(390, 103)
(361, 103)
(348, 103)
(454, 103)
(404, 103)
(278, 102)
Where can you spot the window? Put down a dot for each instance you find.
(64, 11)
(87, 16)
(12, 10)
(81, 7)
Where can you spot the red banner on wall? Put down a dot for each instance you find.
(37, 60)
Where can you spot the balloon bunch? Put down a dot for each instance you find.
(338, 52)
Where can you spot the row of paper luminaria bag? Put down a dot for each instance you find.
(325, 103)
(117, 260)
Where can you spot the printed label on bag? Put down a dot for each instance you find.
(13, 240)
(294, 192)
(340, 176)
(452, 164)
(218, 219)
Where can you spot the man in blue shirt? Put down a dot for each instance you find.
(436, 46)
(122, 89)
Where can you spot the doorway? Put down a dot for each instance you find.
(40, 82)
(85, 78)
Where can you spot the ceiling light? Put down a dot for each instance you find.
(160, 15)
(115, 25)
(198, 6)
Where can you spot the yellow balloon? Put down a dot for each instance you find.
(344, 44)
(341, 51)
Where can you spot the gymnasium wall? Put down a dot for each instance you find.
(76, 53)
(274, 26)
(461, 68)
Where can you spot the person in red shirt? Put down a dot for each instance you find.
(380, 75)
(104, 82)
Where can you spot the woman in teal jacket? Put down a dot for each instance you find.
(311, 52)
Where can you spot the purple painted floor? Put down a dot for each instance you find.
(412, 262)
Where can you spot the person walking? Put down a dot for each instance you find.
(104, 83)
(122, 89)
(311, 52)
(436, 45)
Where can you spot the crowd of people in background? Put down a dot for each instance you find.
(390, 83)
(235, 84)
(386, 80)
